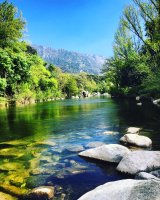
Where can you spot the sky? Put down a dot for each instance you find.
(86, 26)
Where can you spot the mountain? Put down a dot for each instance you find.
(72, 62)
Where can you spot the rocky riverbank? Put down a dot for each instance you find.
(143, 164)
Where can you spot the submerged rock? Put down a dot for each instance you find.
(11, 152)
(137, 140)
(13, 190)
(110, 133)
(41, 193)
(4, 196)
(125, 190)
(94, 144)
(133, 130)
(109, 153)
(45, 143)
(75, 148)
(138, 161)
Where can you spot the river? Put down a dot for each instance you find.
(39, 143)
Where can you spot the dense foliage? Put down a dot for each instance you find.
(135, 66)
(24, 76)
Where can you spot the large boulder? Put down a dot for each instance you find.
(110, 153)
(137, 140)
(133, 130)
(125, 190)
(138, 161)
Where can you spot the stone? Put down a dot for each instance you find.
(137, 140)
(110, 153)
(75, 148)
(45, 143)
(133, 130)
(125, 190)
(13, 190)
(138, 161)
(11, 152)
(94, 144)
(156, 173)
(157, 101)
(146, 176)
(4, 196)
(41, 193)
(110, 133)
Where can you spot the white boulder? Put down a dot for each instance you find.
(138, 161)
(125, 190)
(110, 153)
(133, 130)
(137, 140)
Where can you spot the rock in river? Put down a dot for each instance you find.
(75, 148)
(94, 144)
(146, 176)
(138, 161)
(133, 130)
(137, 140)
(125, 190)
(110, 153)
(41, 193)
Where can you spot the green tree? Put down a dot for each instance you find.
(11, 24)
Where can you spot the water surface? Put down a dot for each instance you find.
(39, 142)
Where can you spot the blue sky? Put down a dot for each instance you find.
(86, 26)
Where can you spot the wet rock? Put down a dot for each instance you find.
(133, 130)
(4, 196)
(11, 152)
(125, 190)
(146, 176)
(16, 180)
(13, 190)
(12, 166)
(41, 171)
(109, 153)
(16, 143)
(110, 133)
(137, 140)
(41, 193)
(45, 143)
(75, 148)
(94, 144)
(138, 161)
(35, 181)
(156, 173)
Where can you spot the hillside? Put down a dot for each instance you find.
(70, 61)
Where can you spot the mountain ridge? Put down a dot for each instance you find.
(71, 61)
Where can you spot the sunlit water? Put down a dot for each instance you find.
(40, 143)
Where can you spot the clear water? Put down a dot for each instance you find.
(39, 142)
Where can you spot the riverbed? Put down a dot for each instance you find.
(40, 142)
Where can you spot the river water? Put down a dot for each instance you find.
(39, 143)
